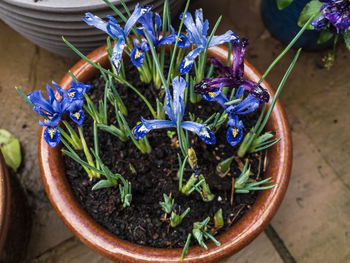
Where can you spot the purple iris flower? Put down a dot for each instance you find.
(249, 104)
(198, 35)
(174, 111)
(336, 12)
(233, 77)
(137, 54)
(53, 109)
(116, 31)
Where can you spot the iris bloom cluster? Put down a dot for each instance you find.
(175, 109)
(113, 29)
(212, 90)
(336, 14)
(198, 35)
(137, 54)
(52, 109)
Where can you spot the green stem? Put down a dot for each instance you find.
(286, 49)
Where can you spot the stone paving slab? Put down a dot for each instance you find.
(25, 65)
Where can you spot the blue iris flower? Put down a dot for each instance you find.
(249, 104)
(174, 111)
(53, 109)
(137, 54)
(198, 35)
(116, 31)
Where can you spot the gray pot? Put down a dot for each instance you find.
(44, 22)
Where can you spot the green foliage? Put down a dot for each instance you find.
(312, 9)
(244, 184)
(325, 35)
(11, 149)
(167, 205)
(282, 4)
(176, 218)
(199, 231)
(347, 38)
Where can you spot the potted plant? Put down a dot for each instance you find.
(284, 18)
(143, 195)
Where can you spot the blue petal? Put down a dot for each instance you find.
(52, 136)
(50, 93)
(167, 40)
(218, 96)
(59, 89)
(248, 105)
(143, 128)
(239, 92)
(136, 15)
(201, 130)
(199, 22)
(80, 85)
(227, 37)
(194, 34)
(158, 21)
(95, 21)
(167, 107)
(117, 54)
(137, 56)
(114, 29)
(72, 106)
(187, 62)
(234, 135)
(147, 23)
(41, 106)
(179, 86)
(77, 117)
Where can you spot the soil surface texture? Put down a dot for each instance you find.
(156, 173)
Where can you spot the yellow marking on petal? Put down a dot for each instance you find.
(77, 115)
(71, 94)
(51, 133)
(234, 132)
(211, 94)
(179, 38)
(137, 54)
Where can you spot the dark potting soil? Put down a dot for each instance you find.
(156, 173)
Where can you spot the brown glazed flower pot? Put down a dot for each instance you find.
(14, 217)
(279, 160)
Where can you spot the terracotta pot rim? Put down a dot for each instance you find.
(5, 200)
(99, 239)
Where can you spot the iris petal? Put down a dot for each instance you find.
(77, 117)
(234, 135)
(224, 38)
(52, 136)
(201, 130)
(179, 86)
(137, 56)
(187, 62)
(145, 126)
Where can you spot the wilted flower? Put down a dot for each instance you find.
(115, 30)
(197, 33)
(233, 77)
(175, 110)
(335, 12)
